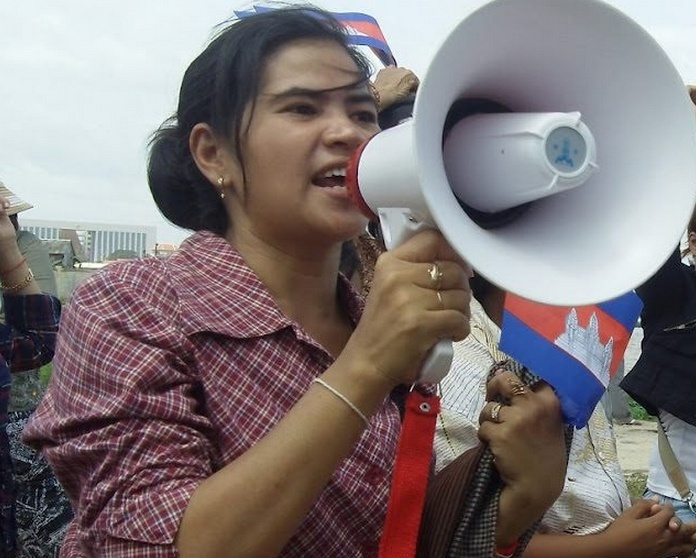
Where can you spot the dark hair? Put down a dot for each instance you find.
(216, 89)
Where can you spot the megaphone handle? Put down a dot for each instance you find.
(437, 363)
(398, 225)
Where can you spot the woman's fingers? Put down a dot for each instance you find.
(506, 385)
(415, 301)
(492, 411)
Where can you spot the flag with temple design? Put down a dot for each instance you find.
(576, 349)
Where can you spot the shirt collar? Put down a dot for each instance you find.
(219, 292)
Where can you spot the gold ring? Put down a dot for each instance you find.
(435, 275)
(439, 297)
(495, 412)
(518, 388)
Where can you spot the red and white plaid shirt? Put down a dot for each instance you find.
(165, 371)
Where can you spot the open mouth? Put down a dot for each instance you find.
(331, 179)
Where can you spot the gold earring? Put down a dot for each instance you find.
(221, 183)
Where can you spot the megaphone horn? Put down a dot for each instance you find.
(578, 66)
(544, 136)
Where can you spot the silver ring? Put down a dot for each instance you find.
(435, 275)
(439, 297)
(495, 412)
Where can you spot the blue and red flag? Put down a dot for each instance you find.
(575, 349)
(362, 29)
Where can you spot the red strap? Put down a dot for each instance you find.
(411, 471)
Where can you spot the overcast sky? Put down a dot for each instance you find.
(83, 83)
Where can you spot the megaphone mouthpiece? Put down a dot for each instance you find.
(495, 162)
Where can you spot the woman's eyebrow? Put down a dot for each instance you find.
(358, 95)
(297, 92)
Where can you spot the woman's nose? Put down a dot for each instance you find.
(343, 130)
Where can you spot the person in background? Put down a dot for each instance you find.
(663, 380)
(27, 339)
(594, 517)
(42, 509)
(26, 385)
(234, 399)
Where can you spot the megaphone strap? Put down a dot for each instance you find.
(410, 479)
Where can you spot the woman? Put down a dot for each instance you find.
(27, 340)
(233, 400)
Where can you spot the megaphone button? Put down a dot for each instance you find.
(566, 149)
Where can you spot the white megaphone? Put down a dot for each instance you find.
(552, 143)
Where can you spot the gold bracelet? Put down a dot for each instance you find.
(18, 286)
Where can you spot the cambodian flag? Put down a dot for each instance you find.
(575, 349)
(362, 29)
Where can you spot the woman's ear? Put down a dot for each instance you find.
(692, 243)
(212, 156)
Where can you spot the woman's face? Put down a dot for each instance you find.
(309, 118)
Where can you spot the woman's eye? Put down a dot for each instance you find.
(366, 116)
(303, 109)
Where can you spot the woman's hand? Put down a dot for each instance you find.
(650, 530)
(527, 439)
(409, 309)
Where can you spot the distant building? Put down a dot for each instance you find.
(92, 242)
